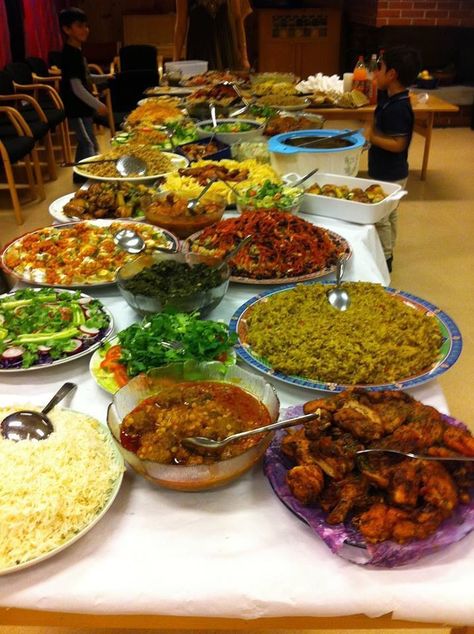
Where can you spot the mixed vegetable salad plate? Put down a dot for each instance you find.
(77, 254)
(270, 196)
(43, 327)
(140, 347)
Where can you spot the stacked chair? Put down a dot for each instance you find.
(17, 147)
(31, 110)
(47, 98)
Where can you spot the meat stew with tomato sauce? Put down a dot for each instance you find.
(213, 409)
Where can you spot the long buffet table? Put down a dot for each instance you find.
(234, 557)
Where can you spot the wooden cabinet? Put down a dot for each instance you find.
(302, 41)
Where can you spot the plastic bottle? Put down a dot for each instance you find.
(372, 81)
(359, 81)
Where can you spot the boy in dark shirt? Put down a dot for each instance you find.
(76, 83)
(390, 134)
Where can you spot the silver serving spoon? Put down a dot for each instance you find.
(416, 456)
(233, 252)
(29, 425)
(209, 443)
(170, 136)
(192, 204)
(304, 178)
(232, 189)
(338, 297)
(243, 99)
(212, 109)
(125, 165)
(130, 241)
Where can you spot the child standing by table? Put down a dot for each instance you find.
(76, 83)
(391, 131)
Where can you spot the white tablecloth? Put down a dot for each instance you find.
(234, 552)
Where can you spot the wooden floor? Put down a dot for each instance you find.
(434, 259)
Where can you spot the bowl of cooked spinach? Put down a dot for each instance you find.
(173, 282)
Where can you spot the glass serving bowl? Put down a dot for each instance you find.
(172, 298)
(191, 477)
(245, 204)
(204, 128)
(185, 224)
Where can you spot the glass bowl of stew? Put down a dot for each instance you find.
(173, 282)
(169, 210)
(150, 416)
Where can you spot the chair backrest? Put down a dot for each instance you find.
(138, 57)
(6, 83)
(38, 66)
(128, 87)
(20, 72)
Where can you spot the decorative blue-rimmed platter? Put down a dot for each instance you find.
(449, 351)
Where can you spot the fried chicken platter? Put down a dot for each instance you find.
(376, 509)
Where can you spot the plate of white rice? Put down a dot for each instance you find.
(53, 491)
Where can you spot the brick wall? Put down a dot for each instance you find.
(424, 13)
(362, 11)
(412, 12)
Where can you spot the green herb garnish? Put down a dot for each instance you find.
(203, 340)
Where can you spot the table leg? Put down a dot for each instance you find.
(426, 151)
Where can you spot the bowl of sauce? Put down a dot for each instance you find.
(151, 415)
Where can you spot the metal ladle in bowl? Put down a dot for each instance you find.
(233, 252)
(338, 297)
(29, 425)
(191, 206)
(201, 442)
(304, 178)
(126, 165)
(131, 242)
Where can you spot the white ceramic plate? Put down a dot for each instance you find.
(168, 91)
(56, 208)
(177, 162)
(37, 275)
(112, 495)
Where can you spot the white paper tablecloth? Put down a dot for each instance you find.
(234, 552)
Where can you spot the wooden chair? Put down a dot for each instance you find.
(47, 97)
(17, 146)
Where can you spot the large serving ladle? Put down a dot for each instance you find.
(131, 242)
(29, 425)
(193, 442)
(338, 297)
(125, 165)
